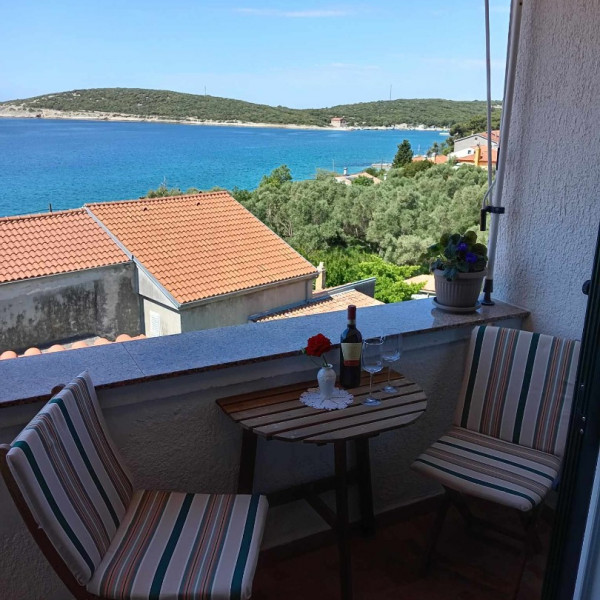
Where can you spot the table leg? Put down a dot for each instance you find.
(365, 489)
(342, 520)
(247, 462)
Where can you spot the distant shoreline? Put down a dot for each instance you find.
(14, 112)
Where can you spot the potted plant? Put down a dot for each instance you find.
(458, 263)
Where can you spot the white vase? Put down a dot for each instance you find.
(326, 378)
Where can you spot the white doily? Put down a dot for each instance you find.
(339, 399)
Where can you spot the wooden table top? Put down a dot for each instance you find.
(277, 413)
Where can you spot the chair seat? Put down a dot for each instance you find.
(173, 545)
(490, 468)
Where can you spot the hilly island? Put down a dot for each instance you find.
(161, 105)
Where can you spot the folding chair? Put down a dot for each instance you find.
(107, 540)
(509, 431)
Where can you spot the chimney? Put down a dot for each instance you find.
(477, 157)
(320, 280)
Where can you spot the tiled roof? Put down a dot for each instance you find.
(438, 159)
(50, 243)
(483, 156)
(483, 134)
(495, 135)
(351, 178)
(427, 280)
(327, 304)
(202, 245)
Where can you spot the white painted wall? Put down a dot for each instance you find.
(466, 143)
(552, 190)
(222, 312)
(235, 309)
(169, 319)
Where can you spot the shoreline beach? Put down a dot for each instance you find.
(15, 112)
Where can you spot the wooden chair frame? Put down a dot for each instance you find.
(529, 537)
(39, 535)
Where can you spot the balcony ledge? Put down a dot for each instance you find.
(29, 379)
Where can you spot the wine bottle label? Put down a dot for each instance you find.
(351, 354)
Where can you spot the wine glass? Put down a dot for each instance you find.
(390, 353)
(372, 363)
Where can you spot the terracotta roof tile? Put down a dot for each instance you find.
(333, 303)
(201, 245)
(438, 159)
(77, 345)
(50, 243)
(470, 158)
(495, 135)
(427, 280)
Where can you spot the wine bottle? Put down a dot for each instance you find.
(350, 350)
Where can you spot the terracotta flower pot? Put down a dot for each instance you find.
(462, 292)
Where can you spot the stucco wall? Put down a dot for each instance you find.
(235, 310)
(552, 190)
(40, 311)
(169, 319)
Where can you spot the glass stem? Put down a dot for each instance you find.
(389, 373)
(371, 385)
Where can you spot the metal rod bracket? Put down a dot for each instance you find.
(488, 288)
(497, 210)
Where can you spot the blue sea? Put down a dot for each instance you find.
(69, 163)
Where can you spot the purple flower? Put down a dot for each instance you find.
(471, 258)
(461, 247)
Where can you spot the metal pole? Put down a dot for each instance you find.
(509, 86)
(488, 77)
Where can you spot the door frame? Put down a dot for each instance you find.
(581, 457)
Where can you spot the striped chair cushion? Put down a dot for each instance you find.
(174, 545)
(519, 387)
(490, 468)
(71, 477)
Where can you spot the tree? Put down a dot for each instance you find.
(362, 180)
(404, 155)
(163, 190)
(375, 172)
(413, 168)
(345, 265)
(395, 220)
(435, 149)
(277, 177)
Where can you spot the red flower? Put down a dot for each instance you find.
(317, 345)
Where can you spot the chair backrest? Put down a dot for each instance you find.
(71, 477)
(518, 387)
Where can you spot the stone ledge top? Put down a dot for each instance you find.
(30, 378)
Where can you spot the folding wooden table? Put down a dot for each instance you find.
(278, 414)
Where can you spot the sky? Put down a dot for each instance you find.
(296, 54)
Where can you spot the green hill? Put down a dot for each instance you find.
(175, 105)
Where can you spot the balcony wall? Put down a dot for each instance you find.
(548, 235)
(173, 436)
